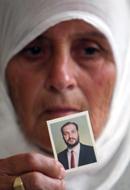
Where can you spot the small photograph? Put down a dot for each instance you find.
(72, 141)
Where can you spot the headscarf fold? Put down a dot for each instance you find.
(21, 21)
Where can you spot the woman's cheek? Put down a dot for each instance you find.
(97, 85)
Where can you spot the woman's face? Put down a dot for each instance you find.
(66, 70)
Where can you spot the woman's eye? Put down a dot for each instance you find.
(34, 50)
(90, 51)
(36, 53)
(86, 50)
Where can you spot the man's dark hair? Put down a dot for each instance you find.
(68, 124)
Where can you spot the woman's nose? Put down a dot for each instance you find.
(61, 74)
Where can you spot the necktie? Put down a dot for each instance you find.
(72, 159)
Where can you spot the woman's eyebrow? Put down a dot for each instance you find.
(79, 35)
(90, 34)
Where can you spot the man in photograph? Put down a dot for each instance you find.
(76, 154)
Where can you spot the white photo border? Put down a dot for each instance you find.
(65, 118)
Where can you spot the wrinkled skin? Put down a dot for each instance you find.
(36, 171)
(68, 69)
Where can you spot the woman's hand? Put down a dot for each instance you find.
(35, 170)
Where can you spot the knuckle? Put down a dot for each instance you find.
(51, 164)
(30, 157)
(58, 185)
(35, 180)
(57, 167)
(31, 160)
(56, 164)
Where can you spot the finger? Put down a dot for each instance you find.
(6, 182)
(35, 180)
(23, 163)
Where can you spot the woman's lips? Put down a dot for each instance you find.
(58, 111)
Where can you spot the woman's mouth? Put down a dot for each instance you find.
(60, 111)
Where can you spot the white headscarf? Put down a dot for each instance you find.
(21, 21)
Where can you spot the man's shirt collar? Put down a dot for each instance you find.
(76, 149)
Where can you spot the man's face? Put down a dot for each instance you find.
(70, 135)
(66, 70)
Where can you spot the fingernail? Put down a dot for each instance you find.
(63, 173)
(63, 185)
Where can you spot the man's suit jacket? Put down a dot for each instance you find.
(86, 156)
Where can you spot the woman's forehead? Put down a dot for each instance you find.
(77, 28)
(72, 30)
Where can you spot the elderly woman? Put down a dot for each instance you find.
(58, 58)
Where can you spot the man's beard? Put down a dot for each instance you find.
(72, 145)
